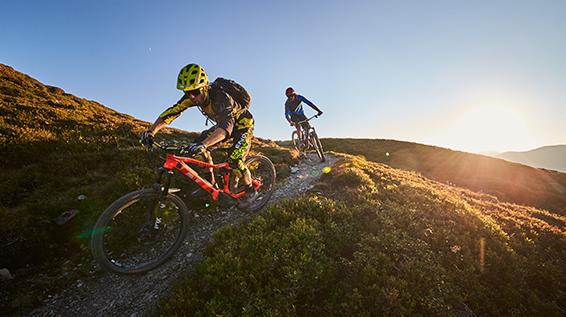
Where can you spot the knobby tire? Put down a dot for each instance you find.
(114, 225)
(317, 146)
(262, 169)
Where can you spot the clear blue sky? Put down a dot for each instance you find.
(469, 75)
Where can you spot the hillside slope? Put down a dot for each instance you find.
(123, 298)
(370, 240)
(56, 147)
(549, 157)
(507, 181)
(62, 153)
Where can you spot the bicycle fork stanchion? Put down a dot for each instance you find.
(151, 221)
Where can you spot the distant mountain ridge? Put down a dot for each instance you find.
(551, 157)
(367, 239)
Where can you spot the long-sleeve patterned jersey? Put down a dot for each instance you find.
(222, 109)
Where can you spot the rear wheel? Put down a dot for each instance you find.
(317, 146)
(263, 172)
(139, 231)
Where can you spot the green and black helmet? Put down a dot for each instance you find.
(191, 77)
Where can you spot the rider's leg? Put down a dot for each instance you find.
(306, 128)
(247, 177)
(303, 134)
(241, 147)
(243, 141)
(296, 118)
(299, 132)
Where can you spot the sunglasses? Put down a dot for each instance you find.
(193, 93)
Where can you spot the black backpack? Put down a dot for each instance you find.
(235, 90)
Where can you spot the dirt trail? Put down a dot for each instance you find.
(108, 294)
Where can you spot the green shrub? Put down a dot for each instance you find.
(55, 147)
(395, 244)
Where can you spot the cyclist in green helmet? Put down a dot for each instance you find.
(225, 103)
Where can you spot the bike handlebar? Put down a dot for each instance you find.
(307, 120)
(181, 148)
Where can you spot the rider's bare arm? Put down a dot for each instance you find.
(156, 126)
(216, 136)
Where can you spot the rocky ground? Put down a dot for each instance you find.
(107, 294)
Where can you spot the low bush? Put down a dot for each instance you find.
(396, 244)
(56, 148)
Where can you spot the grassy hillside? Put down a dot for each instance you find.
(507, 181)
(56, 148)
(367, 240)
(370, 240)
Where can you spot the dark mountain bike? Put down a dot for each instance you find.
(309, 140)
(143, 229)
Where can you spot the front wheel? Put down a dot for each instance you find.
(139, 231)
(263, 175)
(296, 141)
(317, 146)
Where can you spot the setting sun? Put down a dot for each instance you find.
(489, 128)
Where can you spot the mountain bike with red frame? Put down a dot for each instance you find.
(309, 140)
(143, 229)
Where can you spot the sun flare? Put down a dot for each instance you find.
(490, 128)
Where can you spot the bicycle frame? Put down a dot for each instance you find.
(306, 132)
(181, 164)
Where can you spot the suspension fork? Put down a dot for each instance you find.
(162, 184)
(312, 132)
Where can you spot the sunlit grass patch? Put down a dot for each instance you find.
(387, 242)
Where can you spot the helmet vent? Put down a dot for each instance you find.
(191, 77)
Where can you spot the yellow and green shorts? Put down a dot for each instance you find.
(241, 140)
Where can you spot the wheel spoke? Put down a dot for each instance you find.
(263, 172)
(139, 231)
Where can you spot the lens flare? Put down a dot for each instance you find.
(89, 233)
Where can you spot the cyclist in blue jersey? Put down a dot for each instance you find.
(294, 112)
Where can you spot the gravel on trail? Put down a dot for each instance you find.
(107, 294)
